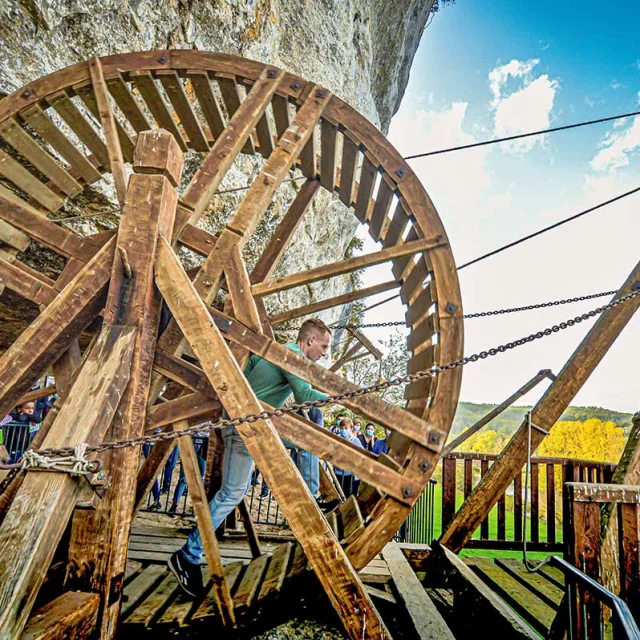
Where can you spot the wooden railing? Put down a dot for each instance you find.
(504, 530)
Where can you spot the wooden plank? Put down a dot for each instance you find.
(12, 170)
(545, 413)
(448, 491)
(345, 298)
(399, 222)
(25, 285)
(250, 584)
(384, 197)
(180, 101)
(309, 159)
(247, 522)
(98, 546)
(197, 240)
(351, 522)
(230, 90)
(350, 153)
(484, 527)
(276, 572)
(145, 612)
(629, 554)
(551, 504)
(226, 148)
(128, 104)
(53, 330)
(283, 235)
(220, 591)
(413, 280)
(265, 139)
(141, 586)
(426, 620)
(420, 307)
(13, 237)
(116, 159)
(68, 111)
(208, 607)
(192, 405)
(281, 115)
(343, 266)
(532, 609)
(161, 111)
(40, 122)
(241, 293)
(265, 446)
(208, 103)
(40, 512)
(535, 503)
(549, 593)
(468, 476)
(71, 616)
(517, 508)
(38, 156)
(328, 135)
(366, 343)
(501, 513)
(368, 175)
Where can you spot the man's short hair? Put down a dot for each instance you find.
(313, 325)
(346, 422)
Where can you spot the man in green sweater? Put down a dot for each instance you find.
(272, 385)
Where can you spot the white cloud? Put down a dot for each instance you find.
(618, 145)
(523, 109)
(615, 85)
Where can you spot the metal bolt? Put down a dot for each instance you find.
(401, 172)
(27, 93)
(434, 437)
(162, 59)
(451, 308)
(407, 492)
(295, 85)
(424, 466)
(271, 73)
(101, 476)
(321, 93)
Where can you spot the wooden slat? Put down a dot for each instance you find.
(38, 516)
(209, 608)
(344, 266)
(420, 307)
(546, 412)
(345, 298)
(535, 503)
(399, 222)
(249, 529)
(230, 91)
(265, 139)
(208, 102)
(140, 586)
(517, 508)
(421, 334)
(629, 554)
(501, 517)
(188, 119)
(128, 104)
(448, 491)
(328, 136)
(39, 157)
(384, 198)
(350, 153)
(71, 615)
(426, 621)
(283, 235)
(197, 240)
(111, 133)
(551, 504)
(240, 290)
(250, 584)
(468, 477)
(484, 527)
(144, 612)
(192, 405)
(68, 111)
(413, 280)
(40, 122)
(368, 177)
(226, 148)
(299, 508)
(12, 170)
(25, 285)
(309, 159)
(54, 329)
(13, 237)
(281, 116)
(276, 572)
(549, 593)
(161, 111)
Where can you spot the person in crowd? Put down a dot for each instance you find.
(200, 442)
(272, 385)
(18, 432)
(167, 473)
(348, 481)
(335, 428)
(155, 505)
(368, 438)
(381, 445)
(357, 427)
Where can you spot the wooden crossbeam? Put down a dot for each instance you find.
(54, 329)
(369, 405)
(366, 343)
(98, 547)
(336, 301)
(344, 266)
(524, 389)
(283, 235)
(546, 412)
(40, 512)
(347, 356)
(192, 405)
(116, 161)
(71, 615)
(307, 523)
(198, 495)
(24, 284)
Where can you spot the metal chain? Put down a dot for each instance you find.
(381, 386)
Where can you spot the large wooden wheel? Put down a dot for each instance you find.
(85, 124)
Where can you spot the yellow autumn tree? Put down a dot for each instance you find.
(485, 441)
(589, 440)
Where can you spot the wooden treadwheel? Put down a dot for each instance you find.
(84, 123)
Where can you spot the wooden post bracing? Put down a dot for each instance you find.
(220, 106)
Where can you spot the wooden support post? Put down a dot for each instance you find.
(524, 389)
(98, 547)
(250, 530)
(549, 408)
(40, 512)
(72, 615)
(325, 555)
(220, 591)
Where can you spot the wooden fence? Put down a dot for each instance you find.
(548, 475)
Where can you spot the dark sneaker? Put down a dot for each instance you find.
(156, 506)
(172, 509)
(189, 575)
(327, 505)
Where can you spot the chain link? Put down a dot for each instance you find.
(381, 386)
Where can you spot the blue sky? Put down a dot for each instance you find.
(494, 68)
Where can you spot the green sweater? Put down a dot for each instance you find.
(273, 385)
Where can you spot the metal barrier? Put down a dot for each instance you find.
(418, 527)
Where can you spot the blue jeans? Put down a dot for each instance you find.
(182, 480)
(237, 466)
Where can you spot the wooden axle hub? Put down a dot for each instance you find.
(129, 119)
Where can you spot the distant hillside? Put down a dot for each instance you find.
(507, 422)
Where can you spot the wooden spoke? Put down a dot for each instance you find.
(344, 266)
(336, 301)
(116, 160)
(24, 284)
(208, 103)
(368, 176)
(128, 104)
(230, 91)
(322, 549)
